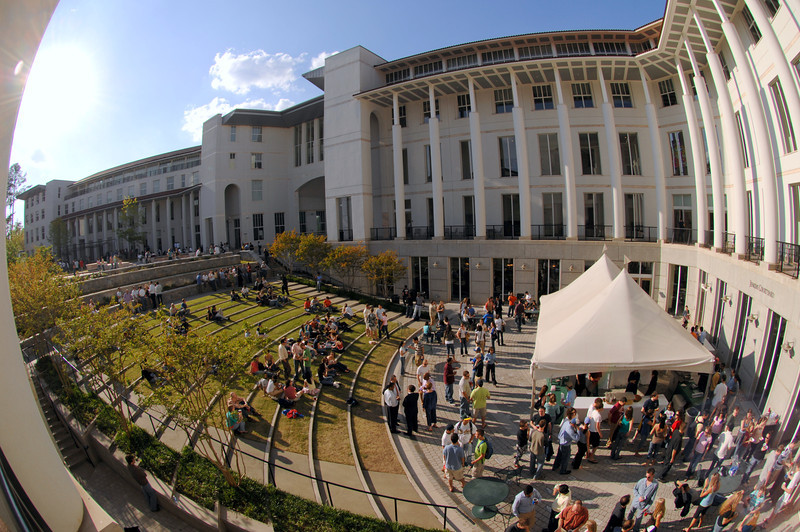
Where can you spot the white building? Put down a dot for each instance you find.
(507, 164)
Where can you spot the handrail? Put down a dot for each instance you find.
(788, 256)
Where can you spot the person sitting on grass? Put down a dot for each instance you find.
(315, 305)
(290, 393)
(310, 389)
(235, 421)
(327, 304)
(245, 292)
(235, 296)
(307, 305)
(270, 388)
(347, 312)
(335, 365)
(325, 378)
(257, 368)
(241, 405)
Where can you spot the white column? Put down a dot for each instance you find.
(397, 160)
(168, 208)
(478, 181)
(612, 142)
(154, 242)
(734, 166)
(698, 153)
(436, 167)
(183, 221)
(523, 170)
(766, 163)
(192, 222)
(658, 159)
(717, 182)
(116, 226)
(567, 161)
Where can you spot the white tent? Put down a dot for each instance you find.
(620, 328)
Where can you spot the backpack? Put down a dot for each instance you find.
(489, 448)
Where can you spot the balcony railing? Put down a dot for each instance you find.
(507, 231)
(788, 257)
(641, 233)
(548, 232)
(419, 232)
(708, 238)
(383, 233)
(459, 232)
(682, 235)
(595, 232)
(345, 235)
(755, 249)
(728, 242)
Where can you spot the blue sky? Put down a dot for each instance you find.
(119, 80)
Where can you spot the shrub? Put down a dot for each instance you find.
(154, 455)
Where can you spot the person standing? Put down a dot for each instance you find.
(284, 285)
(479, 457)
(464, 391)
(566, 435)
(479, 397)
(449, 380)
(283, 357)
(593, 420)
(644, 493)
(466, 434)
(463, 339)
(524, 506)
(519, 315)
(140, 477)
(391, 397)
(673, 450)
(573, 517)
(401, 352)
(489, 362)
(537, 447)
(453, 458)
(411, 411)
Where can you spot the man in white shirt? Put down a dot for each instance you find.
(283, 357)
(466, 434)
(720, 391)
(595, 434)
(391, 397)
(464, 391)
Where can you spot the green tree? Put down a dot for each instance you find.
(285, 247)
(16, 185)
(383, 270)
(346, 261)
(15, 243)
(130, 223)
(60, 237)
(312, 251)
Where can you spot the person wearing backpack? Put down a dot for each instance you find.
(483, 451)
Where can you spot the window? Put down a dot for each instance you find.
(463, 105)
(466, 159)
(170, 183)
(502, 277)
(402, 112)
(667, 90)
(233, 133)
(427, 69)
(498, 56)
(309, 142)
(257, 187)
(298, 145)
(58, 210)
(156, 185)
(724, 63)
(782, 110)
(610, 48)
(621, 95)
(680, 166)
(548, 154)
(428, 165)
(280, 223)
(419, 275)
(642, 274)
(629, 146)
(534, 52)
(469, 213)
(255, 136)
(594, 216)
(582, 95)
(255, 161)
(426, 109)
(158, 212)
(549, 276)
(503, 101)
(590, 154)
(573, 48)
(119, 195)
(195, 178)
(465, 61)
(183, 180)
(773, 6)
(682, 218)
(743, 142)
(405, 166)
(752, 27)
(634, 216)
(508, 156)
(321, 139)
(142, 189)
(397, 76)
(258, 226)
(543, 97)
(511, 223)
(553, 214)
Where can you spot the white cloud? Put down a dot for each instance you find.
(194, 117)
(239, 73)
(38, 156)
(319, 59)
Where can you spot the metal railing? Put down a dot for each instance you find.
(459, 232)
(419, 232)
(755, 249)
(595, 232)
(345, 235)
(548, 232)
(682, 235)
(708, 238)
(788, 257)
(383, 233)
(502, 232)
(641, 233)
(728, 242)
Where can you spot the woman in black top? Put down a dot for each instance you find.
(618, 515)
(633, 382)
(651, 388)
(411, 411)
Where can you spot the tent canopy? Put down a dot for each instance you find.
(617, 328)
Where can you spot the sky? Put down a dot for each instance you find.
(119, 80)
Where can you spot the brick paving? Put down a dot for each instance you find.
(598, 485)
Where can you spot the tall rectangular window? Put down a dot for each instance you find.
(469, 213)
(629, 146)
(280, 223)
(705, 149)
(582, 95)
(548, 154)
(257, 187)
(590, 154)
(428, 164)
(794, 197)
(725, 68)
(142, 189)
(543, 97)
(508, 156)
(463, 105)
(621, 95)
(594, 215)
(298, 145)
(680, 165)
(772, 6)
(511, 223)
(255, 161)
(667, 90)
(503, 101)
(321, 139)
(634, 216)
(782, 110)
(258, 226)
(742, 140)
(401, 115)
(255, 136)
(233, 133)
(466, 159)
(553, 214)
(426, 109)
(752, 27)
(405, 166)
(309, 142)
(156, 186)
(170, 183)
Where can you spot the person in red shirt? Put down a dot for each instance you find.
(512, 300)
(574, 516)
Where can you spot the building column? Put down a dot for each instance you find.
(766, 162)
(698, 153)
(397, 163)
(436, 167)
(567, 161)
(168, 208)
(183, 220)
(658, 159)
(612, 143)
(523, 167)
(476, 147)
(154, 242)
(193, 222)
(115, 228)
(734, 165)
(717, 181)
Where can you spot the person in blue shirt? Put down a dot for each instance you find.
(569, 398)
(567, 434)
(524, 506)
(489, 362)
